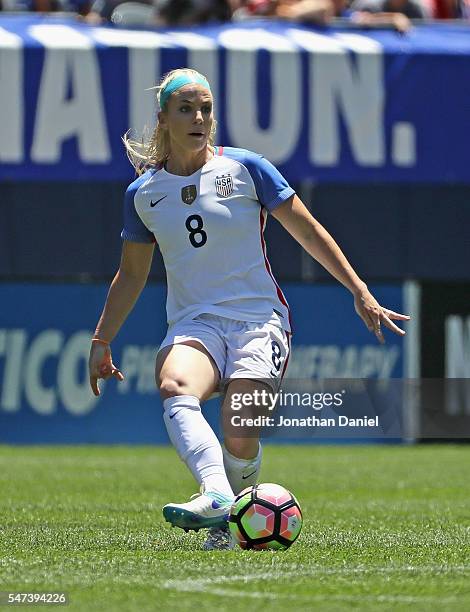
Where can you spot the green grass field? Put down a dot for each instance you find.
(386, 528)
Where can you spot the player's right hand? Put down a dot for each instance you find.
(100, 365)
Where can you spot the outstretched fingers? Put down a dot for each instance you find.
(375, 315)
(387, 315)
(391, 325)
(395, 315)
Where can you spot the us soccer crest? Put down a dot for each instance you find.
(224, 185)
(189, 194)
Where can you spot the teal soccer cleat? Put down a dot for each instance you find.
(203, 511)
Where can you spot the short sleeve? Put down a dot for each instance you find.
(271, 187)
(134, 228)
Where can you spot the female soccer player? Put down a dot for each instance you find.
(206, 207)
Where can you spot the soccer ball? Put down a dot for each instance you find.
(265, 516)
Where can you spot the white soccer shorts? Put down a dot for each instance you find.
(239, 349)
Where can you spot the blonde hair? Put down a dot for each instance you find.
(150, 152)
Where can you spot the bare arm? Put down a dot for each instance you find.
(125, 289)
(318, 243)
(123, 293)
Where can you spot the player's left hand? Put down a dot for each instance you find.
(374, 315)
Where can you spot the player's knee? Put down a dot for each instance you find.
(170, 387)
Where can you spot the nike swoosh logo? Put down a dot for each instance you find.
(152, 204)
(245, 477)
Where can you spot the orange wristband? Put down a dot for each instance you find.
(100, 341)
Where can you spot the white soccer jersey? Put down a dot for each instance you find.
(209, 228)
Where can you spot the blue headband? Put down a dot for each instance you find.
(179, 82)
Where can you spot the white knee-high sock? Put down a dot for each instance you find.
(242, 473)
(196, 443)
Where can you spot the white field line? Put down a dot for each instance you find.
(292, 570)
(407, 599)
(208, 585)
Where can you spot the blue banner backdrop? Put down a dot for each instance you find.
(45, 333)
(331, 105)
